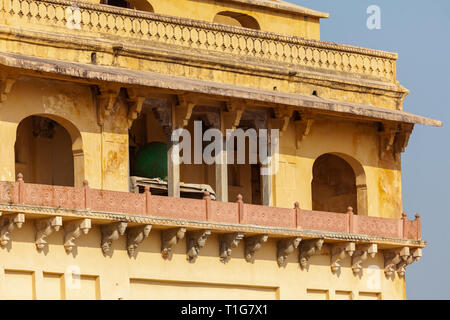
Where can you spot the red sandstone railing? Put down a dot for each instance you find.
(205, 210)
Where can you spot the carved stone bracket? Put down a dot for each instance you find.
(398, 259)
(232, 118)
(6, 84)
(106, 100)
(339, 252)
(44, 228)
(394, 138)
(253, 244)
(195, 240)
(136, 100)
(169, 238)
(284, 248)
(110, 233)
(362, 253)
(135, 236)
(183, 111)
(7, 225)
(73, 230)
(283, 116)
(309, 248)
(303, 128)
(227, 243)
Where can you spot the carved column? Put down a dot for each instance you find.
(44, 228)
(253, 244)
(362, 253)
(169, 239)
(309, 248)
(110, 233)
(226, 243)
(73, 230)
(195, 240)
(135, 236)
(284, 248)
(7, 225)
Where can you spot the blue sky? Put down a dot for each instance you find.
(419, 32)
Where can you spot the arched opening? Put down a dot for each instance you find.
(236, 19)
(49, 151)
(338, 182)
(141, 5)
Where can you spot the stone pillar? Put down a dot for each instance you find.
(173, 169)
(7, 158)
(222, 175)
(266, 181)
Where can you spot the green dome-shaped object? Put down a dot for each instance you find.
(151, 161)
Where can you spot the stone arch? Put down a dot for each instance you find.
(69, 133)
(339, 181)
(236, 19)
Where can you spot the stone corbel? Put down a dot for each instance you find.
(73, 230)
(396, 260)
(135, 236)
(106, 100)
(136, 99)
(232, 118)
(339, 252)
(303, 128)
(362, 253)
(169, 239)
(253, 244)
(195, 240)
(227, 243)
(283, 116)
(284, 248)
(387, 138)
(44, 228)
(309, 248)
(110, 233)
(183, 111)
(7, 225)
(402, 138)
(6, 84)
(414, 255)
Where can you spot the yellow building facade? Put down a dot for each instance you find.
(85, 86)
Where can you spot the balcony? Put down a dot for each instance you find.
(218, 215)
(130, 27)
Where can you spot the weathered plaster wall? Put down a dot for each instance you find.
(25, 273)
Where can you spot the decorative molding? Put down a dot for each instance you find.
(135, 236)
(338, 252)
(362, 253)
(110, 233)
(73, 230)
(7, 225)
(284, 248)
(44, 228)
(169, 239)
(308, 248)
(227, 242)
(253, 244)
(303, 128)
(195, 240)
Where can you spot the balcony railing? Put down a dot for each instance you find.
(117, 24)
(206, 210)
